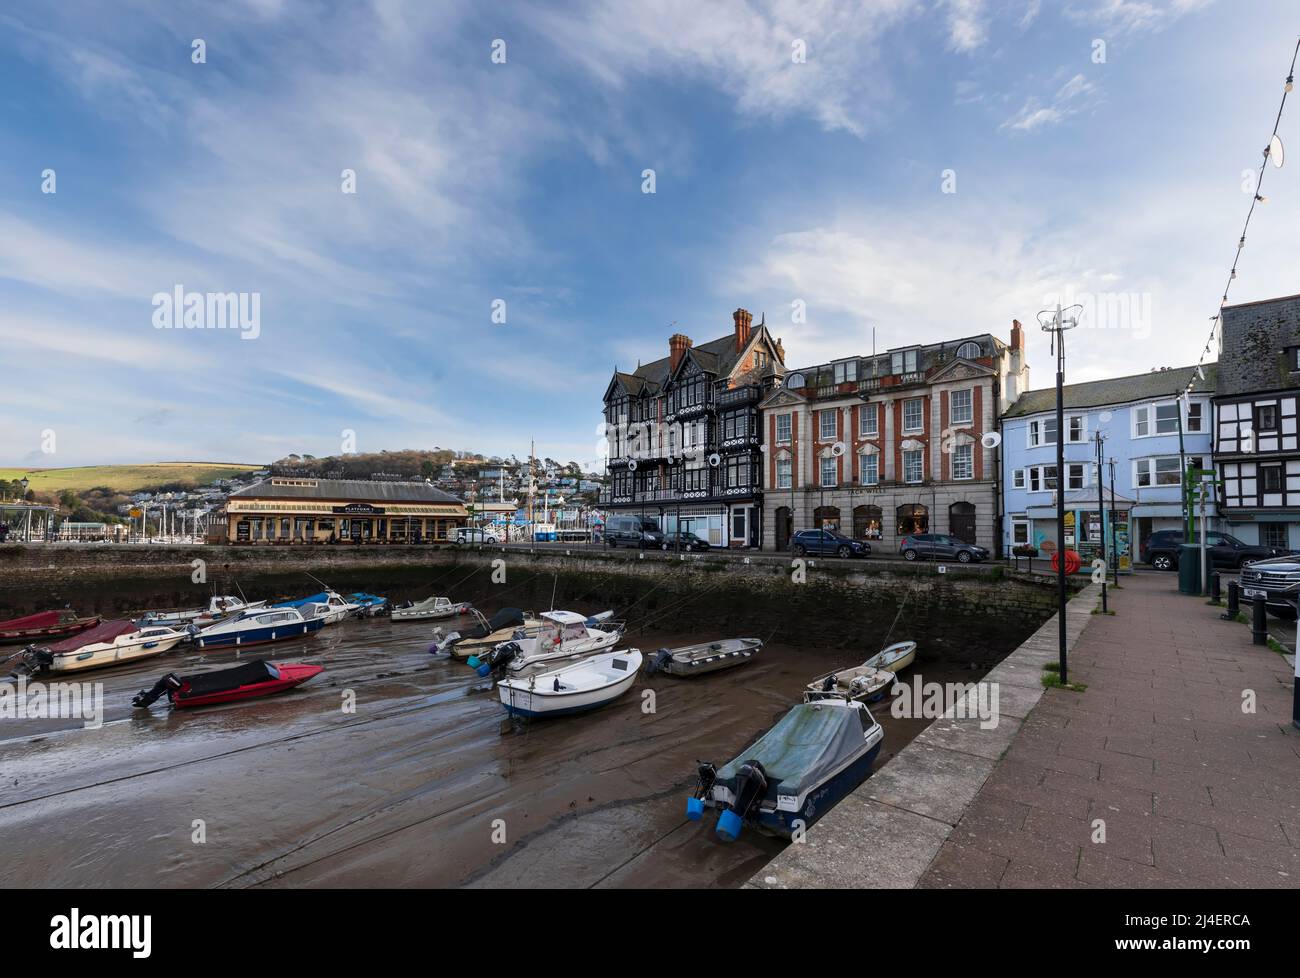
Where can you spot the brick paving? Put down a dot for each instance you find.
(1192, 790)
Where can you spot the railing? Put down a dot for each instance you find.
(744, 394)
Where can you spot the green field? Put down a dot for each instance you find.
(126, 478)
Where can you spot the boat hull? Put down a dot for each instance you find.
(290, 676)
(98, 658)
(259, 636)
(526, 703)
(716, 663)
(63, 630)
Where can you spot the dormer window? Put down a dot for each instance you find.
(904, 362)
(968, 351)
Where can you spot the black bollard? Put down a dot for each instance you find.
(1233, 607)
(1259, 627)
(1216, 593)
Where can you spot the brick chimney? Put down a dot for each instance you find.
(743, 318)
(678, 344)
(780, 351)
(1017, 336)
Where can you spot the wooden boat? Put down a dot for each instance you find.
(431, 609)
(866, 683)
(483, 637)
(695, 660)
(574, 688)
(219, 607)
(894, 658)
(243, 682)
(563, 637)
(258, 627)
(44, 625)
(794, 774)
(109, 643)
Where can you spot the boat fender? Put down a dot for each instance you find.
(473, 661)
(729, 826)
(694, 809)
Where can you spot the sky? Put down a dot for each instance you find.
(438, 211)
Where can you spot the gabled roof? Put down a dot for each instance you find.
(1115, 390)
(718, 357)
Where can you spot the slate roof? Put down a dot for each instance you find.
(1114, 390)
(716, 356)
(360, 490)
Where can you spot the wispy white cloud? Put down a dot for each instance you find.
(1072, 97)
(968, 26)
(1134, 16)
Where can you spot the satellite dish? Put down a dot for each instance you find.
(912, 445)
(715, 460)
(837, 449)
(631, 466)
(1276, 152)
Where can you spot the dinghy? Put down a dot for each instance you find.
(575, 688)
(866, 683)
(894, 658)
(482, 638)
(44, 625)
(368, 605)
(107, 644)
(258, 627)
(695, 660)
(219, 607)
(795, 773)
(431, 609)
(327, 605)
(243, 682)
(562, 637)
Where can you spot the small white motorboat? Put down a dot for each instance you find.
(483, 637)
(108, 644)
(893, 658)
(562, 637)
(328, 605)
(695, 660)
(864, 682)
(220, 606)
(587, 684)
(430, 609)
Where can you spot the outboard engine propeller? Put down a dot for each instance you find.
(147, 697)
(707, 774)
(751, 786)
(658, 661)
(498, 658)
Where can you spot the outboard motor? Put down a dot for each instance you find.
(498, 658)
(147, 697)
(829, 682)
(751, 786)
(658, 661)
(707, 774)
(37, 658)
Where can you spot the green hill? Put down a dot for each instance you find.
(126, 478)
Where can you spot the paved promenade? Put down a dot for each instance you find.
(1191, 790)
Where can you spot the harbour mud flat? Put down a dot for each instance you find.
(398, 768)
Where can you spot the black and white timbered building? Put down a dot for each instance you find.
(683, 439)
(1256, 451)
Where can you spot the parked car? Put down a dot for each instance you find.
(633, 531)
(1160, 550)
(1276, 580)
(828, 542)
(686, 540)
(469, 535)
(936, 546)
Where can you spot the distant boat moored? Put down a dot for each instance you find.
(107, 644)
(696, 660)
(575, 688)
(430, 609)
(257, 628)
(242, 682)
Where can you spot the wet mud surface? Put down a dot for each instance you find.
(424, 783)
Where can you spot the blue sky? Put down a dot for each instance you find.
(776, 182)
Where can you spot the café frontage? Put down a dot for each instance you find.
(305, 511)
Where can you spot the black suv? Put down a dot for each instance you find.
(828, 542)
(1160, 550)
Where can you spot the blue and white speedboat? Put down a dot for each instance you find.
(369, 605)
(795, 773)
(257, 627)
(327, 605)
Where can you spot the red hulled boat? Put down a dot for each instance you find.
(242, 682)
(44, 624)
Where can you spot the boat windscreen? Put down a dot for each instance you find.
(804, 747)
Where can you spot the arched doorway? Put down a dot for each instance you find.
(826, 517)
(784, 527)
(913, 518)
(961, 521)
(867, 523)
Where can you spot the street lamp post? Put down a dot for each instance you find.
(1114, 546)
(1057, 322)
(1101, 518)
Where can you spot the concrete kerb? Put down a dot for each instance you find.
(886, 833)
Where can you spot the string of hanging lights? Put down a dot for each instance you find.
(1275, 154)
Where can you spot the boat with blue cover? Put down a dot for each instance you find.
(369, 605)
(258, 627)
(326, 605)
(794, 774)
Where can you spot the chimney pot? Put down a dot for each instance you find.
(678, 344)
(1017, 336)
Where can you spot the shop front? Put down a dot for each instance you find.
(1094, 534)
